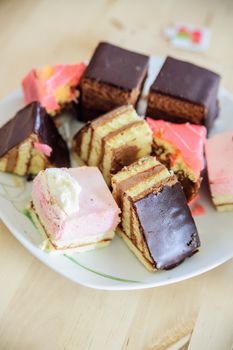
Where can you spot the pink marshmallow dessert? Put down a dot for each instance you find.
(219, 158)
(55, 87)
(73, 209)
(181, 148)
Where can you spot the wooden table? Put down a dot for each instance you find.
(41, 310)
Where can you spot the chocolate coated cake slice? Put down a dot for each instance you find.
(113, 140)
(156, 221)
(114, 77)
(30, 142)
(183, 92)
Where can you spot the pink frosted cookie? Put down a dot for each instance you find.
(73, 209)
(219, 157)
(55, 87)
(180, 147)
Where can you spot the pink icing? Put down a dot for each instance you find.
(219, 157)
(35, 89)
(98, 212)
(198, 210)
(187, 138)
(43, 148)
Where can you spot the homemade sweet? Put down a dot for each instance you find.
(55, 87)
(73, 209)
(181, 148)
(114, 77)
(183, 92)
(30, 142)
(112, 141)
(219, 157)
(156, 221)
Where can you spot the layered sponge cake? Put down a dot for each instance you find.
(65, 201)
(181, 148)
(156, 221)
(30, 142)
(114, 140)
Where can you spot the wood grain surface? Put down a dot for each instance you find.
(41, 310)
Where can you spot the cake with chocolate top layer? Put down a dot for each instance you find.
(30, 142)
(114, 77)
(156, 221)
(113, 140)
(219, 158)
(181, 148)
(183, 92)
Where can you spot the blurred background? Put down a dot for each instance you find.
(38, 32)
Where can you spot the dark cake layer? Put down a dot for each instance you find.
(189, 187)
(102, 97)
(138, 178)
(175, 110)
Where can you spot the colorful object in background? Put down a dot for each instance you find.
(53, 86)
(186, 36)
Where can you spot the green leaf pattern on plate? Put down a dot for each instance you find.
(119, 279)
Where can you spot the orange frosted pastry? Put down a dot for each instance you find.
(180, 147)
(55, 87)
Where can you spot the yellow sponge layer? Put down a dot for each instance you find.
(116, 139)
(129, 185)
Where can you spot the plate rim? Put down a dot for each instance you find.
(38, 253)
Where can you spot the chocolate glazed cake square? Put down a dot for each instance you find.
(30, 126)
(114, 77)
(184, 92)
(167, 226)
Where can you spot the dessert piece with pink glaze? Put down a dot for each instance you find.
(181, 148)
(55, 87)
(73, 209)
(219, 158)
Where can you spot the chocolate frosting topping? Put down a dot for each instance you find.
(33, 119)
(168, 226)
(17, 129)
(187, 81)
(118, 67)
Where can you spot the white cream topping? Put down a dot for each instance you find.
(64, 189)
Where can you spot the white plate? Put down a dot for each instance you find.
(115, 267)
